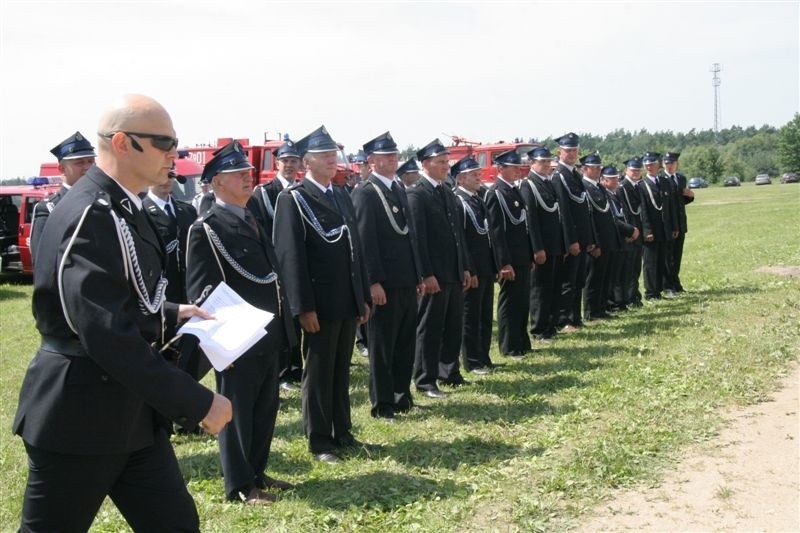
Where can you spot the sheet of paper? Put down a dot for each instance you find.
(236, 327)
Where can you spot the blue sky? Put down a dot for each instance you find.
(482, 70)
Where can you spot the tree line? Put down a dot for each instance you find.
(734, 151)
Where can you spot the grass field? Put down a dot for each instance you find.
(540, 441)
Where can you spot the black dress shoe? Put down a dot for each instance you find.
(481, 371)
(434, 393)
(327, 457)
(517, 355)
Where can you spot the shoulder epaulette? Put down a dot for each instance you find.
(102, 201)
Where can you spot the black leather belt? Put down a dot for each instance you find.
(63, 345)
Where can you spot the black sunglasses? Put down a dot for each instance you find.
(162, 142)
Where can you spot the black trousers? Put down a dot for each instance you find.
(594, 297)
(612, 280)
(439, 321)
(672, 280)
(545, 291)
(513, 304)
(391, 337)
(362, 337)
(619, 283)
(291, 359)
(252, 387)
(476, 332)
(572, 282)
(65, 491)
(633, 271)
(654, 260)
(326, 385)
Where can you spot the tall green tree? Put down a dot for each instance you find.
(789, 144)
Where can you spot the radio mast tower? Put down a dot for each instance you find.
(716, 68)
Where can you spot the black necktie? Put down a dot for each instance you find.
(332, 199)
(168, 210)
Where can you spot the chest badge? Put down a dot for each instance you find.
(395, 210)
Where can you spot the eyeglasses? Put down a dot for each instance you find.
(162, 142)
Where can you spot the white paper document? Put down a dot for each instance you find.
(236, 327)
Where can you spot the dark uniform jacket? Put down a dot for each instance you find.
(173, 232)
(657, 208)
(568, 185)
(476, 233)
(607, 227)
(240, 250)
(507, 220)
(624, 227)
(391, 259)
(437, 219)
(547, 228)
(263, 201)
(326, 277)
(41, 212)
(628, 195)
(103, 397)
(679, 200)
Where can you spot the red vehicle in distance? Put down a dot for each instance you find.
(16, 214)
(261, 157)
(485, 153)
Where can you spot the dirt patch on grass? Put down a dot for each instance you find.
(745, 480)
(791, 271)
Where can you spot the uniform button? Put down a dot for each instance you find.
(245, 250)
(149, 273)
(103, 377)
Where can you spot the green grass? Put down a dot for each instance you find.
(539, 442)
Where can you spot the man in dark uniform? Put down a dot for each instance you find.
(476, 338)
(628, 195)
(227, 244)
(75, 156)
(395, 281)
(408, 173)
(613, 295)
(551, 236)
(262, 204)
(513, 254)
(682, 195)
(172, 219)
(568, 183)
(319, 253)
(607, 239)
(353, 180)
(95, 400)
(445, 273)
(658, 224)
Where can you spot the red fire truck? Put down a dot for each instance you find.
(261, 157)
(485, 153)
(16, 214)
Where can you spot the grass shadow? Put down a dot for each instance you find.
(381, 491)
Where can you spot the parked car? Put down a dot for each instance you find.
(697, 183)
(731, 181)
(763, 179)
(790, 177)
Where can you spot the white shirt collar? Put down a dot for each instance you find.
(134, 197)
(283, 181)
(386, 181)
(570, 167)
(430, 179)
(545, 178)
(499, 177)
(318, 184)
(460, 188)
(161, 203)
(66, 185)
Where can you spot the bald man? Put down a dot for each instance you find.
(96, 398)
